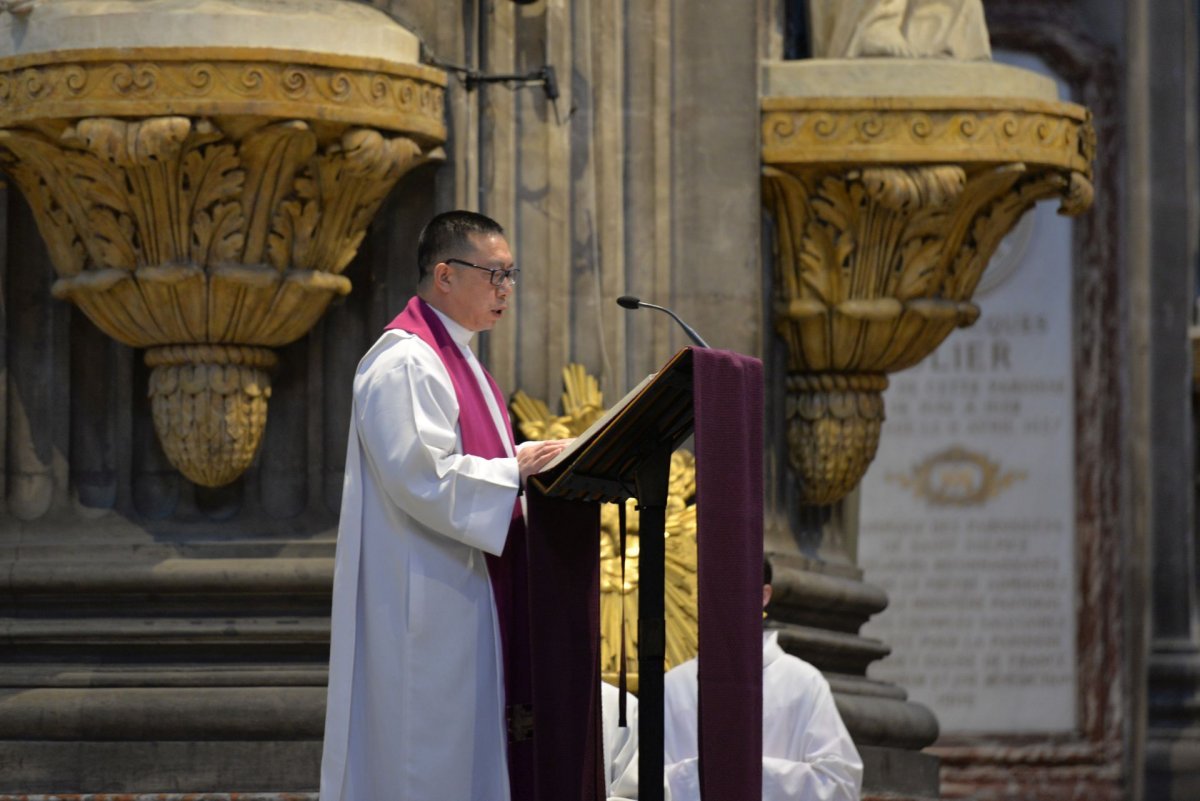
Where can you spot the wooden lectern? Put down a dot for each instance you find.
(627, 454)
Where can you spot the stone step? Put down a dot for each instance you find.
(82, 675)
(161, 797)
(27, 577)
(160, 769)
(162, 713)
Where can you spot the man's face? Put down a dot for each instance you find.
(470, 298)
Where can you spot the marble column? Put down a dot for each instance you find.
(1164, 206)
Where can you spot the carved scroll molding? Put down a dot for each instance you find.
(205, 209)
(230, 81)
(887, 211)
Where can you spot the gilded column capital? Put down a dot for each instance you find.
(887, 210)
(201, 185)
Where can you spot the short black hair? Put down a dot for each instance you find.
(447, 234)
(766, 570)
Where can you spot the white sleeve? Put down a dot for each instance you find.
(623, 764)
(683, 779)
(681, 773)
(827, 779)
(407, 413)
(824, 765)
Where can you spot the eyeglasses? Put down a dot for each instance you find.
(498, 277)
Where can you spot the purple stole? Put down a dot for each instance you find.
(509, 571)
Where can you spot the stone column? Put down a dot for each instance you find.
(890, 184)
(1163, 106)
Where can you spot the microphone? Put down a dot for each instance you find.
(630, 302)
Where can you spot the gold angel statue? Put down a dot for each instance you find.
(582, 404)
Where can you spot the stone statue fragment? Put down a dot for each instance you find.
(899, 29)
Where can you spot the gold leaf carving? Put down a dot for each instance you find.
(274, 155)
(211, 187)
(908, 188)
(930, 130)
(957, 476)
(833, 425)
(582, 404)
(209, 406)
(394, 97)
(886, 214)
(294, 225)
(142, 143)
(187, 203)
(194, 202)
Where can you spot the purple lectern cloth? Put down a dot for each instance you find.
(508, 572)
(728, 397)
(564, 583)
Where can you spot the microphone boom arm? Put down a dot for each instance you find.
(632, 303)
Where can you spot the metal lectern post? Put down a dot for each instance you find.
(653, 475)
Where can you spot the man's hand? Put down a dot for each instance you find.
(531, 458)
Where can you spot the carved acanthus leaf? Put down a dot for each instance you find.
(62, 237)
(274, 155)
(993, 222)
(130, 170)
(140, 143)
(904, 189)
(325, 219)
(1079, 195)
(212, 185)
(788, 197)
(294, 226)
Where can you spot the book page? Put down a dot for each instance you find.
(580, 442)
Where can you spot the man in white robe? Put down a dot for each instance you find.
(416, 684)
(807, 753)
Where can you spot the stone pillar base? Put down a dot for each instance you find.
(140, 670)
(818, 608)
(897, 774)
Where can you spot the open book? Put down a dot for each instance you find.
(599, 464)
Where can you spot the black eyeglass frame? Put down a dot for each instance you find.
(498, 276)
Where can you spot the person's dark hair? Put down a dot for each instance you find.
(447, 235)
(766, 570)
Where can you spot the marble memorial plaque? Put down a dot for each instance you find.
(967, 517)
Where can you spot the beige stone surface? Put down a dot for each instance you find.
(892, 77)
(336, 27)
(899, 28)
